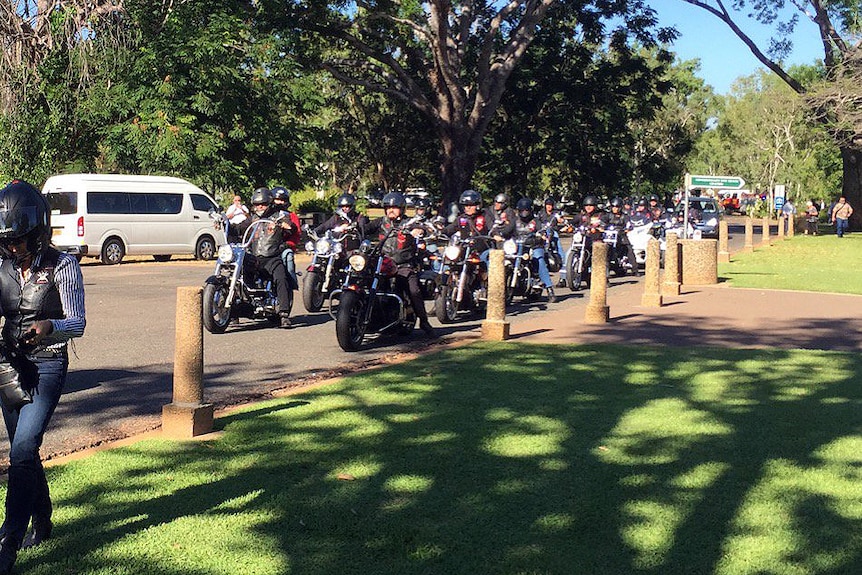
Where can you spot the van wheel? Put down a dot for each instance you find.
(206, 248)
(113, 251)
(162, 257)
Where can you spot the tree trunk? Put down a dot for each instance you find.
(852, 160)
(457, 164)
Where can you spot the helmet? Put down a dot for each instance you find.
(261, 196)
(422, 202)
(24, 213)
(549, 201)
(524, 207)
(281, 193)
(394, 200)
(502, 198)
(346, 200)
(590, 201)
(617, 202)
(642, 202)
(470, 198)
(653, 198)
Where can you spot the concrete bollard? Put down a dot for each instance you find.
(699, 262)
(671, 283)
(495, 327)
(723, 244)
(597, 310)
(791, 226)
(782, 221)
(652, 295)
(187, 416)
(764, 229)
(749, 236)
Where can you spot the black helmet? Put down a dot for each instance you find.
(653, 198)
(524, 207)
(346, 200)
(642, 202)
(590, 201)
(470, 198)
(617, 202)
(502, 198)
(24, 213)
(261, 197)
(394, 200)
(281, 193)
(422, 202)
(549, 201)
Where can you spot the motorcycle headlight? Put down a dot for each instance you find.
(357, 262)
(309, 246)
(510, 248)
(225, 254)
(577, 237)
(337, 248)
(322, 246)
(452, 253)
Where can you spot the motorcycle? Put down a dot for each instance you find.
(235, 290)
(578, 260)
(619, 262)
(521, 271)
(552, 250)
(369, 301)
(640, 235)
(326, 272)
(461, 287)
(430, 259)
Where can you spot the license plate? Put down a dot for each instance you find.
(56, 232)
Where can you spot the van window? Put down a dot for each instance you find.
(63, 203)
(202, 203)
(107, 203)
(164, 203)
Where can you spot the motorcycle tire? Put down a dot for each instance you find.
(215, 315)
(555, 263)
(445, 306)
(510, 291)
(349, 326)
(312, 292)
(575, 279)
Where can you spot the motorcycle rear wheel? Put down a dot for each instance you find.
(312, 292)
(445, 306)
(216, 316)
(349, 325)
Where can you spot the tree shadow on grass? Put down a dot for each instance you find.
(500, 458)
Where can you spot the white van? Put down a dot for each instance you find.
(111, 215)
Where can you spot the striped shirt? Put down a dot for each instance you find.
(70, 284)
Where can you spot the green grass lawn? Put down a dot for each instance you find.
(824, 263)
(500, 459)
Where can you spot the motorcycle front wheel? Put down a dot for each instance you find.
(445, 306)
(349, 321)
(215, 311)
(312, 292)
(575, 278)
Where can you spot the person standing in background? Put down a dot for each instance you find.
(237, 212)
(812, 214)
(841, 216)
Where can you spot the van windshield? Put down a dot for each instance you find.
(63, 203)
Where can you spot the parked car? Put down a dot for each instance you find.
(704, 213)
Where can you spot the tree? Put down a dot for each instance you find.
(449, 60)
(836, 100)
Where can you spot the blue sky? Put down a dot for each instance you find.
(722, 54)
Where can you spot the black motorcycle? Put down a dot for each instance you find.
(326, 272)
(370, 301)
(579, 260)
(522, 273)
(618, 261)
(237, 288)
(461, 285)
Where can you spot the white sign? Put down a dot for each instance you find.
(779, 191)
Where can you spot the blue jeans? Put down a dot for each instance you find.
(538, 255)
(287, 256)
(27, 493)
(841, 226)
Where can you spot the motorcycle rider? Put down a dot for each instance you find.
(291, 235)
(345, 214)
(400, 245)
(641, 215)
(657, 212)
(526, 227)
(424, 228)
(593, 220)
(501, 218)
(266, 248)
(550, 217)
(619, 220)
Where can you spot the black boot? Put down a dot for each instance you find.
(427, 328)
(8, 555)
(40, 532)
(552, 297)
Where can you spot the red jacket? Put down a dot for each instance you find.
(292, 237)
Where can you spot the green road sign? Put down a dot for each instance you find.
(716, 182)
